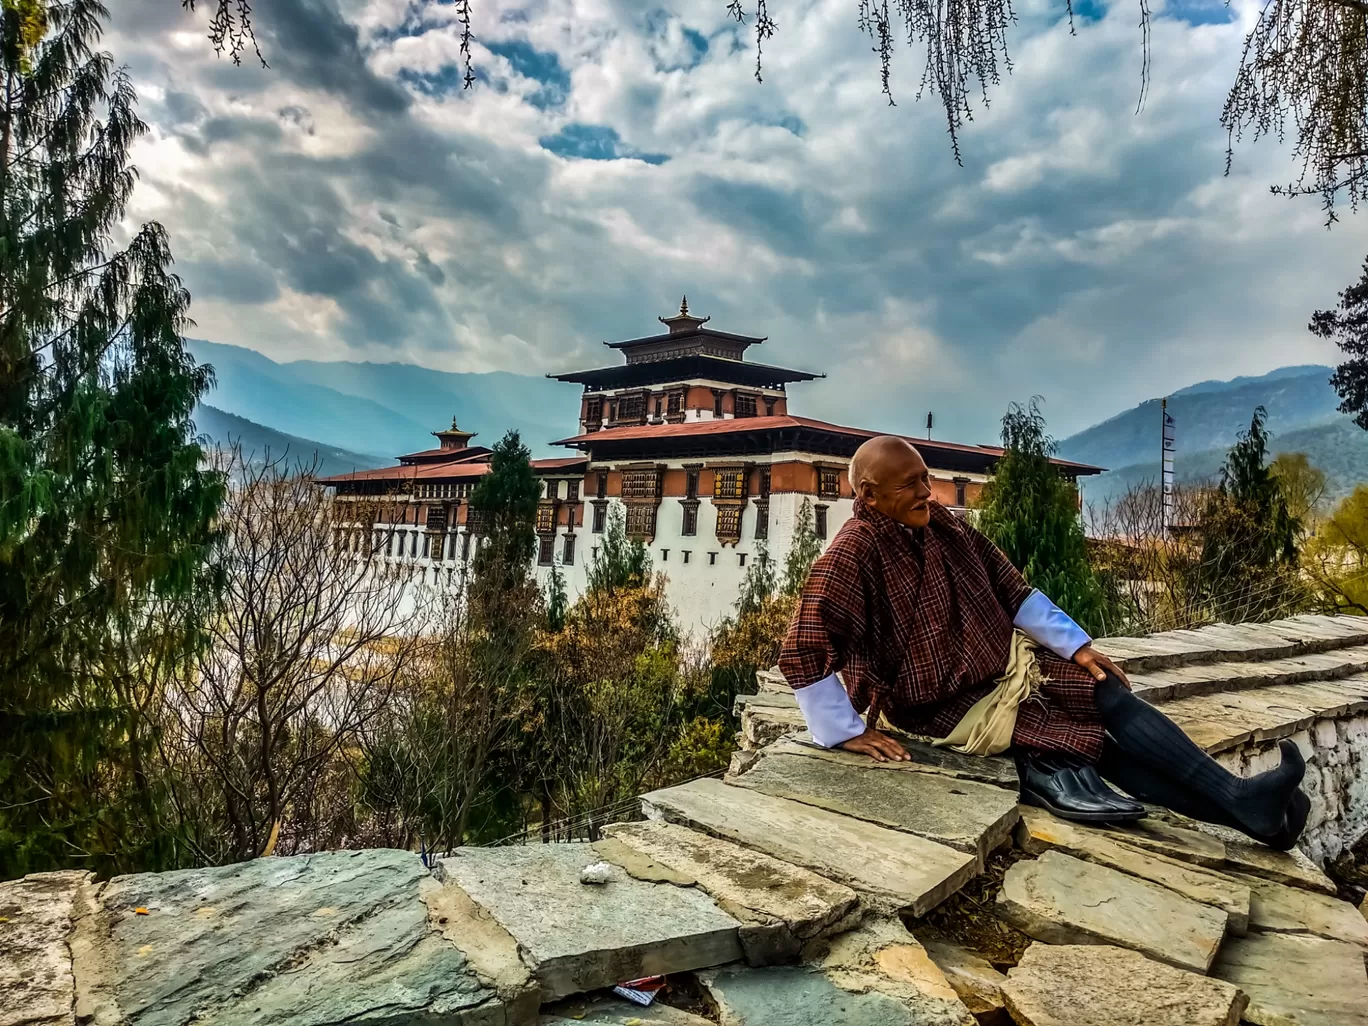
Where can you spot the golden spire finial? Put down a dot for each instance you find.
(684, 306)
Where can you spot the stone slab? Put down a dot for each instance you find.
(1209, 678)
(1063, 900)
(963, 814)
(1040, 832)
(332, 938)
(973, 978)
(1158, 834)
(578, 937)
(1286, 867)
(1222, 721)
(763, 724)
(37, 914)
(779, 905)
(1296, 979)
(1099, 985)
(1273, 640)
(802, 996)
(926, 758)
(1277, 908)
(891, 870)
(615, 1011)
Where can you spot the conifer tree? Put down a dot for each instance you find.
(758, 582)
(621, 562)
(104, 507)
(1030, 512)
(506, 501)
(803, 551)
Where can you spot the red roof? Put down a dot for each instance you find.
(453, 471)
(743, 425)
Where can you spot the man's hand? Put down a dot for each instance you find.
(1099, 665)
(877, 745)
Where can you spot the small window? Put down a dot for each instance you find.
(593, 413)
(712, 559)
(568, 550)
(572, 491)
(602, 484)
(740, 559)
(546, 553)
(600, 517)
(691, 484)
(821, 512)
(828, 483)
(959, 491)
(465, 546)
(764, 482)
(413, 547)
(553, 489)
(761, 522)
(684, 555)
(593, 552)
(745, 406)
(690, 527)
(675, 403)
(659, 406)
(769, 406)
(717, 404)
(664, 555)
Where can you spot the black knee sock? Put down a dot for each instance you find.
(1255, 805)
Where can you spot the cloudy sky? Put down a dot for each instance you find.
(353, 202)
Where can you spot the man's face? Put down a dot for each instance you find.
(902, 488)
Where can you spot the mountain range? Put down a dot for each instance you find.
(359, 415)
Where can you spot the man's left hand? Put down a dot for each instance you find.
(1099, 665)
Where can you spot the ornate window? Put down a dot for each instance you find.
(729, 522)
(639, 484)
(828, 483)
(475, 521)
(631, 407)
(674, 404)
(745, 406)
(436, 518)
(729, 483)
(546, 519)
(572, 491)
(593, 414)
(641, 520)
(546, 552)
(690, 525)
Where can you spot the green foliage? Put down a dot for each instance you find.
(557, 601)
(506, 500)
(621, 562)
(1347, 327)
(1303, 485)
(1030, 512)
(1249, 536)
(759, 581)
(1337, 555)
(104, 509)
(803, 550)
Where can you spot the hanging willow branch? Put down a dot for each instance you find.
(1307, 59)
(231, 30)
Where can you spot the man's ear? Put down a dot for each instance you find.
(865, 490)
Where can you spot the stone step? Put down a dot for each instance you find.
(1236, 642)
(878, 975)
(1277, 908)
(892, 871)
(578, 937)
(331, 938)
(780, 906)
(1227, 720)
(766, 717)
(963, 814)
(37, 917)
(1160, 686)
(1040, 832)
(926, 758)
(1101, 985)
(1296, 979)
(1063, 900)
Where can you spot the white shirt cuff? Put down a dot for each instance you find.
(831, 718)
(1049, 626)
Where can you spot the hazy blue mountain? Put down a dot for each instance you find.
(260, 443)
(1209, 416)
(386, 409)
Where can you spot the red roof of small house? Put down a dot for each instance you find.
(455, 470)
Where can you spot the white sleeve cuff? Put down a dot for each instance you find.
(830, 716)
(1048, 625)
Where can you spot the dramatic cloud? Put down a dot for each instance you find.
(353, 201)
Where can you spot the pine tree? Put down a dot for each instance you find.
(758, 583)
(557, 601)
(621, 562)
(1249, 536)
(1031, 512)
(104, 507)
(803, 551)
(506, 500)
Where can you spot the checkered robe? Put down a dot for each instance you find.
(919, 624)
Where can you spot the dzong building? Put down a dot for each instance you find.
(692, 437)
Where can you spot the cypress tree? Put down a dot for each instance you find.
(104, 507)
(506, 499)
(1030, 512)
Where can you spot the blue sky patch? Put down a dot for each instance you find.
(1200, 12)
(449, 78)
(594, 142)
(538, 65)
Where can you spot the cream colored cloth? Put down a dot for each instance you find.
(986, 728)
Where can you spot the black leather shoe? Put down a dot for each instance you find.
(1127, 809)
(1294, 822)
(1058, 789)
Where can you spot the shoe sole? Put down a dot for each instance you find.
(1030, 798)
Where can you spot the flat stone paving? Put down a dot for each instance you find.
(1063, 900)
(578, 937)
(37, 913)
(1296, 979)
(963, 814)
(891, 870)
(339, 937)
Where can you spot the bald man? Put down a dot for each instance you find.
(936, 633)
